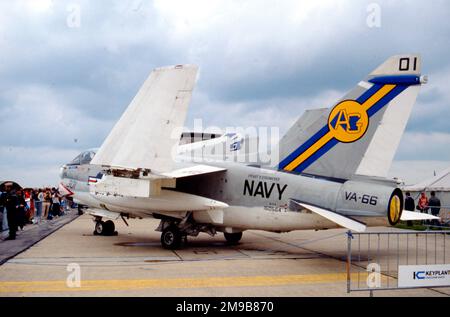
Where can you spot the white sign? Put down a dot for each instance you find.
(423, 275)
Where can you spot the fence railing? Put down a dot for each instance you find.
(374, 258)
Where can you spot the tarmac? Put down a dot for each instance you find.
(133, 263)
(31, 235)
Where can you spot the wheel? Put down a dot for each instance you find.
(109, 228)
(233, 238)
(171, 238)
(99, 228)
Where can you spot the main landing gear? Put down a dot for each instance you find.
(174, 234)
(172, 238)
(104, 228)
(233, 238)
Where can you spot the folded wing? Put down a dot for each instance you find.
(147, 134)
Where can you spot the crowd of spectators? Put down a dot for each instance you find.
(23, 207)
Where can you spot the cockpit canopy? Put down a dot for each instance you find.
(84, 158)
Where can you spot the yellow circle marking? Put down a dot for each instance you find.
(348, 121)
(394, 209)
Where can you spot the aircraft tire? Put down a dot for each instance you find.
(109, 228)
(233, 238)
(99, 228)
(171, 238)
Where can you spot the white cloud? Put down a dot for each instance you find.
(432, 111)
(33, 156)
(35, 115)
(424, 146)
(274, 112)
(33, 166)
(257, 39)
(39, 6)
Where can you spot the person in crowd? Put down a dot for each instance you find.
(55, 203)
(32, 205)
(21, 209)
(46, 204)
(28, 210)
(423, 203)
(38, 200)
(10, 202)
(63, 204)
(409, 205)
(435, 207)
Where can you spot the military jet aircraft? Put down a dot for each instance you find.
(332, 170)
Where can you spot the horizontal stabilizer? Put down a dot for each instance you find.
(411, 215)
(336, 218)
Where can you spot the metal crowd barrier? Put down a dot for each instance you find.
(374, 258)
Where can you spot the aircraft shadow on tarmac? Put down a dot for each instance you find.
(220, 249)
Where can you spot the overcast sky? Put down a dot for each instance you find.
(69, 69)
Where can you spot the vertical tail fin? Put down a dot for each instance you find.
(361, 132)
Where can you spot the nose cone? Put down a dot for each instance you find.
(62, 170)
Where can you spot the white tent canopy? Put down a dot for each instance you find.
(440, 182)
